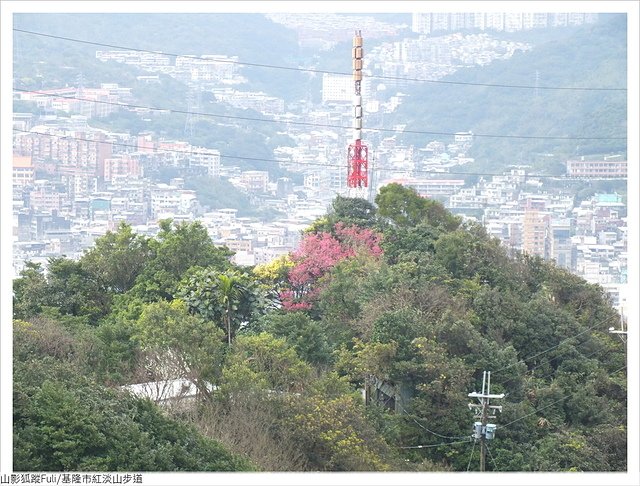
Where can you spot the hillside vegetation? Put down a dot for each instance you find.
(400, 295)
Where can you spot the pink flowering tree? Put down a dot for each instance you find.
(317, 254)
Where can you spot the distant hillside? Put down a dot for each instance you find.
(594, 56)
(251, 37)
(44, 62)
(194, 34)
(590, 55)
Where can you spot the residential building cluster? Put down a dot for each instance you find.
(587, 237)
(427, 23)
(250, 100)
(90, 102)
(213, 68)
(72, 183)
(324, 30)
(430, 57)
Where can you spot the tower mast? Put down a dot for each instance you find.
(358, 153)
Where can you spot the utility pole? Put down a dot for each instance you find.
(621, 331)
(483, 430)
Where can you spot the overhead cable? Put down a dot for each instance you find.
(320, 71)
(314, 164)
(374, 129)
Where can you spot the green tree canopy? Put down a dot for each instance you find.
(230, 299)
(177, 248)
(66, 287)
(180, 345)
(64, 419)
(402, 206)
(117, 258)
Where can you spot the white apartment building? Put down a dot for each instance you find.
(258, 101)
(255, 180)
(205, 157)
(513, 22)
(431, 187)
(426, 23)
(208, 67)
(421, 23)
(166, 199)
(534, 20)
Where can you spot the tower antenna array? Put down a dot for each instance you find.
(358, 153)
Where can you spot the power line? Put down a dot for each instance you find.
(471, 455)
(320, 71)
(483, 430)
(522, 360)
(342, 127)
(546, 406)
(497, 427)
(431, 431)
(315, 164)
(435, 445)
(532, 413)
(495, 466)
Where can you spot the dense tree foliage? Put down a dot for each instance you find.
(117, 259)
(65, 420)
(230, 298)
(179, 345)
(399, 302)
(177, 249)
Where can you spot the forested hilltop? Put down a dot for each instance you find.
(400, 299)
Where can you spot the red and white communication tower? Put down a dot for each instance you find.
(358, 153)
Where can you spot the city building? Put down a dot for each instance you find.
(208, 158)
(536, 233)
(23, 172)
(562, 250)
(605, 168)
(255, 180)
(431, 23)
(430, 187)
(123, 166)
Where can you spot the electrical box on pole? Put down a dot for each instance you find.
(482, 430)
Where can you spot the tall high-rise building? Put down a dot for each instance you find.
(513, 22)
(562, 249)
(458, 21)
(421, 23)
(440, 21)
(427, 23)
(480, 21)
(559, 19)
(536, 233)
(534, 20)
(494, 21)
